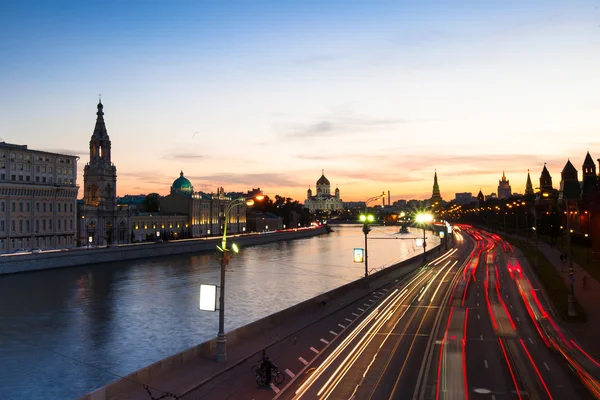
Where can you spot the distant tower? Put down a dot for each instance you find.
(100, 175)
(390, 199)
(590, 180)
(480, 198)
(528, 185)
(436, 197)
(337, 192)
(504, 190)
(308, 193)
(545, 179)
(569, 184)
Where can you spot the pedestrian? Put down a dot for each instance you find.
(268, 367)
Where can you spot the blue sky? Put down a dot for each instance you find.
(379, 94)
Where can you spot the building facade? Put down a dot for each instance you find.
(205, 211)
(101, 221)
(38, 197)
(504, 189)
(463, 198)
(323, 200)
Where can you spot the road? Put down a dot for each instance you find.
(493, 346)
(382, 354)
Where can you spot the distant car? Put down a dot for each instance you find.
(36, 251)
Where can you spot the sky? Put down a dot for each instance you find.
(246, 94)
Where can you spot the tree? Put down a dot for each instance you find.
(151, 203)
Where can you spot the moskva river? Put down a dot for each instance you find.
(66, 332)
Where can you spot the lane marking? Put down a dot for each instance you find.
(360, 309)
(341, 326)
(385, 290)
(366, 305)
(333, 333)
(478, 316)
(477, 294)
(314, 350)
(511, 306)
(348, 319)
(355, 314)
(481, 337)
(485, 363)
(518, 319)
(324, 341)
(493, 397)
(275, 388)
(477, 304)
(290, 373)
(547, 367)
(371, 300)
(303, 361)
(531, 340)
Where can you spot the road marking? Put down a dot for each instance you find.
(324, 341)
(485, 363)
(366, 305)
(477, 294)
(290, 373)
(360, 309)
(518, 319)
(303, 361)
(511, 306)
(531, 340)
(478, 316)
(372, 300)
(348, 319)
(341, 326)
(385, 290)
(314, 350)
(547, 367)
(355, 314)
(481, 337)
(333, 333)
(493, 397)
(477, 304)
(275, 388)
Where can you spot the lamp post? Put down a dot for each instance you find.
(571, 299)
(423, 219)
(366, 219)
(225, 257)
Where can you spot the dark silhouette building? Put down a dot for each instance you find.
(436, 196)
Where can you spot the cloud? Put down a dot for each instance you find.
(150, 177)
(183, 156)
(252, 179)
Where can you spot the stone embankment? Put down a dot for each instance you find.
(10, 264)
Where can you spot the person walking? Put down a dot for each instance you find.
(268, 368)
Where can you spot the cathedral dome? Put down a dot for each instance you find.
(182, 185)
(322, 180)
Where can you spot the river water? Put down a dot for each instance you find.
(66, 332)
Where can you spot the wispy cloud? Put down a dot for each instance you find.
(315, 59)
(250, 179)
(183, 156)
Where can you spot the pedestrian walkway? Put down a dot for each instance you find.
(586, 333)
(201, 371)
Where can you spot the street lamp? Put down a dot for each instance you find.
(225, 257)
(366, 219)
(423, 219)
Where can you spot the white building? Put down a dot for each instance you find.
(38, 195)
(323, 200)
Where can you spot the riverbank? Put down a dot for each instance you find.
(81, 256)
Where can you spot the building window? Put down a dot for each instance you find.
(20, 206)
(37, 179)
(2, 207)
(13, 177)
(37, 226)
(12, 225)
(27, 226)
(12, 207)
(58, 207)
(20, 225)
(50, 224)
(2, 226)
(71, 207)
(44, 179)
(20, 178)
(50, 207)
(28, 208)
(27, 178)
(58, 223)
(44, 207)
(37, 207)
(71, 224)
(43, 225)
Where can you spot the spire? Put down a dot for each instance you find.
(588, 162)
(503, 176)
(528, 185)
(435, 196)
(100, 128)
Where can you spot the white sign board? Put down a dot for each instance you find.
(419, 242)
(208, 297)
(359, 255)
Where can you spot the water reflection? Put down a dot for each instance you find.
(66, 332)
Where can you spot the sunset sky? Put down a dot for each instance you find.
(265, 94)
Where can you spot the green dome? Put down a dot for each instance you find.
(182, 185)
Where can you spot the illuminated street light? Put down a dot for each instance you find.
(226, 255)
(424, 219)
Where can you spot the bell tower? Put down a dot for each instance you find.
(99, 174)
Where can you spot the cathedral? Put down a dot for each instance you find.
(100, 220)
(323, 200)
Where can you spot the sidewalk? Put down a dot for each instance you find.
(586, 333)
(202, 370)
